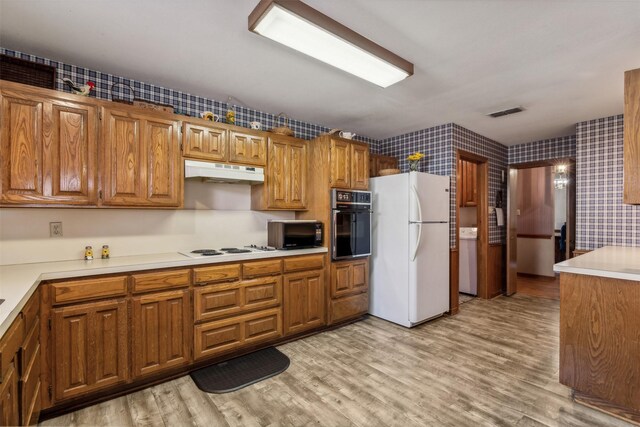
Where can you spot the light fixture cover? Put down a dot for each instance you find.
(300, 27)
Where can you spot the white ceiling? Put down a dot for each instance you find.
(563, 61)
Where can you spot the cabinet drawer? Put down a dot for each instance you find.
(310, 262)
(9, 345)
(81, 290)
(227, 299)
(160, 280)
(217, 273)
(30, 388)
(261, 268)
(29, 348)
(222, 336)
(31, 310)
(348, 307)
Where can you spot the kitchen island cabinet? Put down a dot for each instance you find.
(600, 329)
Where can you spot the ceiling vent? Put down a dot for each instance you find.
(506, 112)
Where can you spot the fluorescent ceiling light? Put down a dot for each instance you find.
(300, 27)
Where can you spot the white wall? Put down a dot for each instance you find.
(215, 215)
(560, 207)
(536, 256)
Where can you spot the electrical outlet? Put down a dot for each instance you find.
(55, 229)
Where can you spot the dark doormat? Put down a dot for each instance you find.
(240, 372)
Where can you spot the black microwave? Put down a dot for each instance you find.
(294, 234)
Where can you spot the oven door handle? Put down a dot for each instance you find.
(334, 233)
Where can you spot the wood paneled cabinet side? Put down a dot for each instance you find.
(467, 178)
(304, 304)
(285, 186)
(141, 160)
(89, 347)
(48, 151)
(161, 325)
(631, 139)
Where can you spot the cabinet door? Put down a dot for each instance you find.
(297, 175)
(631, 146)
(359, 167)
(462, 184)
(278, 174)
(163, 171)
(204, 142)
(21, 150)
(471, 190)
(9, 412)
(161, 325)
(247, 149)
(387, 162)
(123, 171)
(349, 277)
(70, 155)
(340, 164)
(304, 301)
(90, 347)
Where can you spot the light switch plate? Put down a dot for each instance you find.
(55, 229)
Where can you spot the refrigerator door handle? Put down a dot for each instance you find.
(415, 193)
(415, 251)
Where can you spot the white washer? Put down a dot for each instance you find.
(468, 267)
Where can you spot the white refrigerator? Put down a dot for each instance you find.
(409, 281)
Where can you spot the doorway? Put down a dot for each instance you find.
(541, 221)
(469, 280)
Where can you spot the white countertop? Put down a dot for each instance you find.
(616, 262)
(19, 281)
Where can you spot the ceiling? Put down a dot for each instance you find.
(563, 61)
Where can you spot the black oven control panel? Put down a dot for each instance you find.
(347, 197)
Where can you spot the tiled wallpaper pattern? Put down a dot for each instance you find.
(183, 103)
(439, 144)
(601, 217)
(563, 147)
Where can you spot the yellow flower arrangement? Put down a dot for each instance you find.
(415, 156)
(414, 159)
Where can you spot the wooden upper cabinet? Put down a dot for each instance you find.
(90, 347)
(247, 148)
(48, 151)
(340, 163)
(359, 166)
(22, 146)
(632, 137)
(285, 186)
(468, 184)
(164, 171)
(161, 326)
(378, 162)
(204, 142)
(141, 160)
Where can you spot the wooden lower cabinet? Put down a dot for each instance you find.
(304, 301)
(222, 336)
(230, 299)
(349, 290)
(160, 331)
(90, 347)
(9, 401)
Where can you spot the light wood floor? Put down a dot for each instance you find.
(495, 363)
(539, 286)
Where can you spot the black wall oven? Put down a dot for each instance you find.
(350, 224)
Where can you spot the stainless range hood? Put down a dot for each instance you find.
(221, 172)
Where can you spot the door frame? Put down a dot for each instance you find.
(512, 232)
(482, 251)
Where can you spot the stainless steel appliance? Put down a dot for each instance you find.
(294, 234)
(350, 224)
